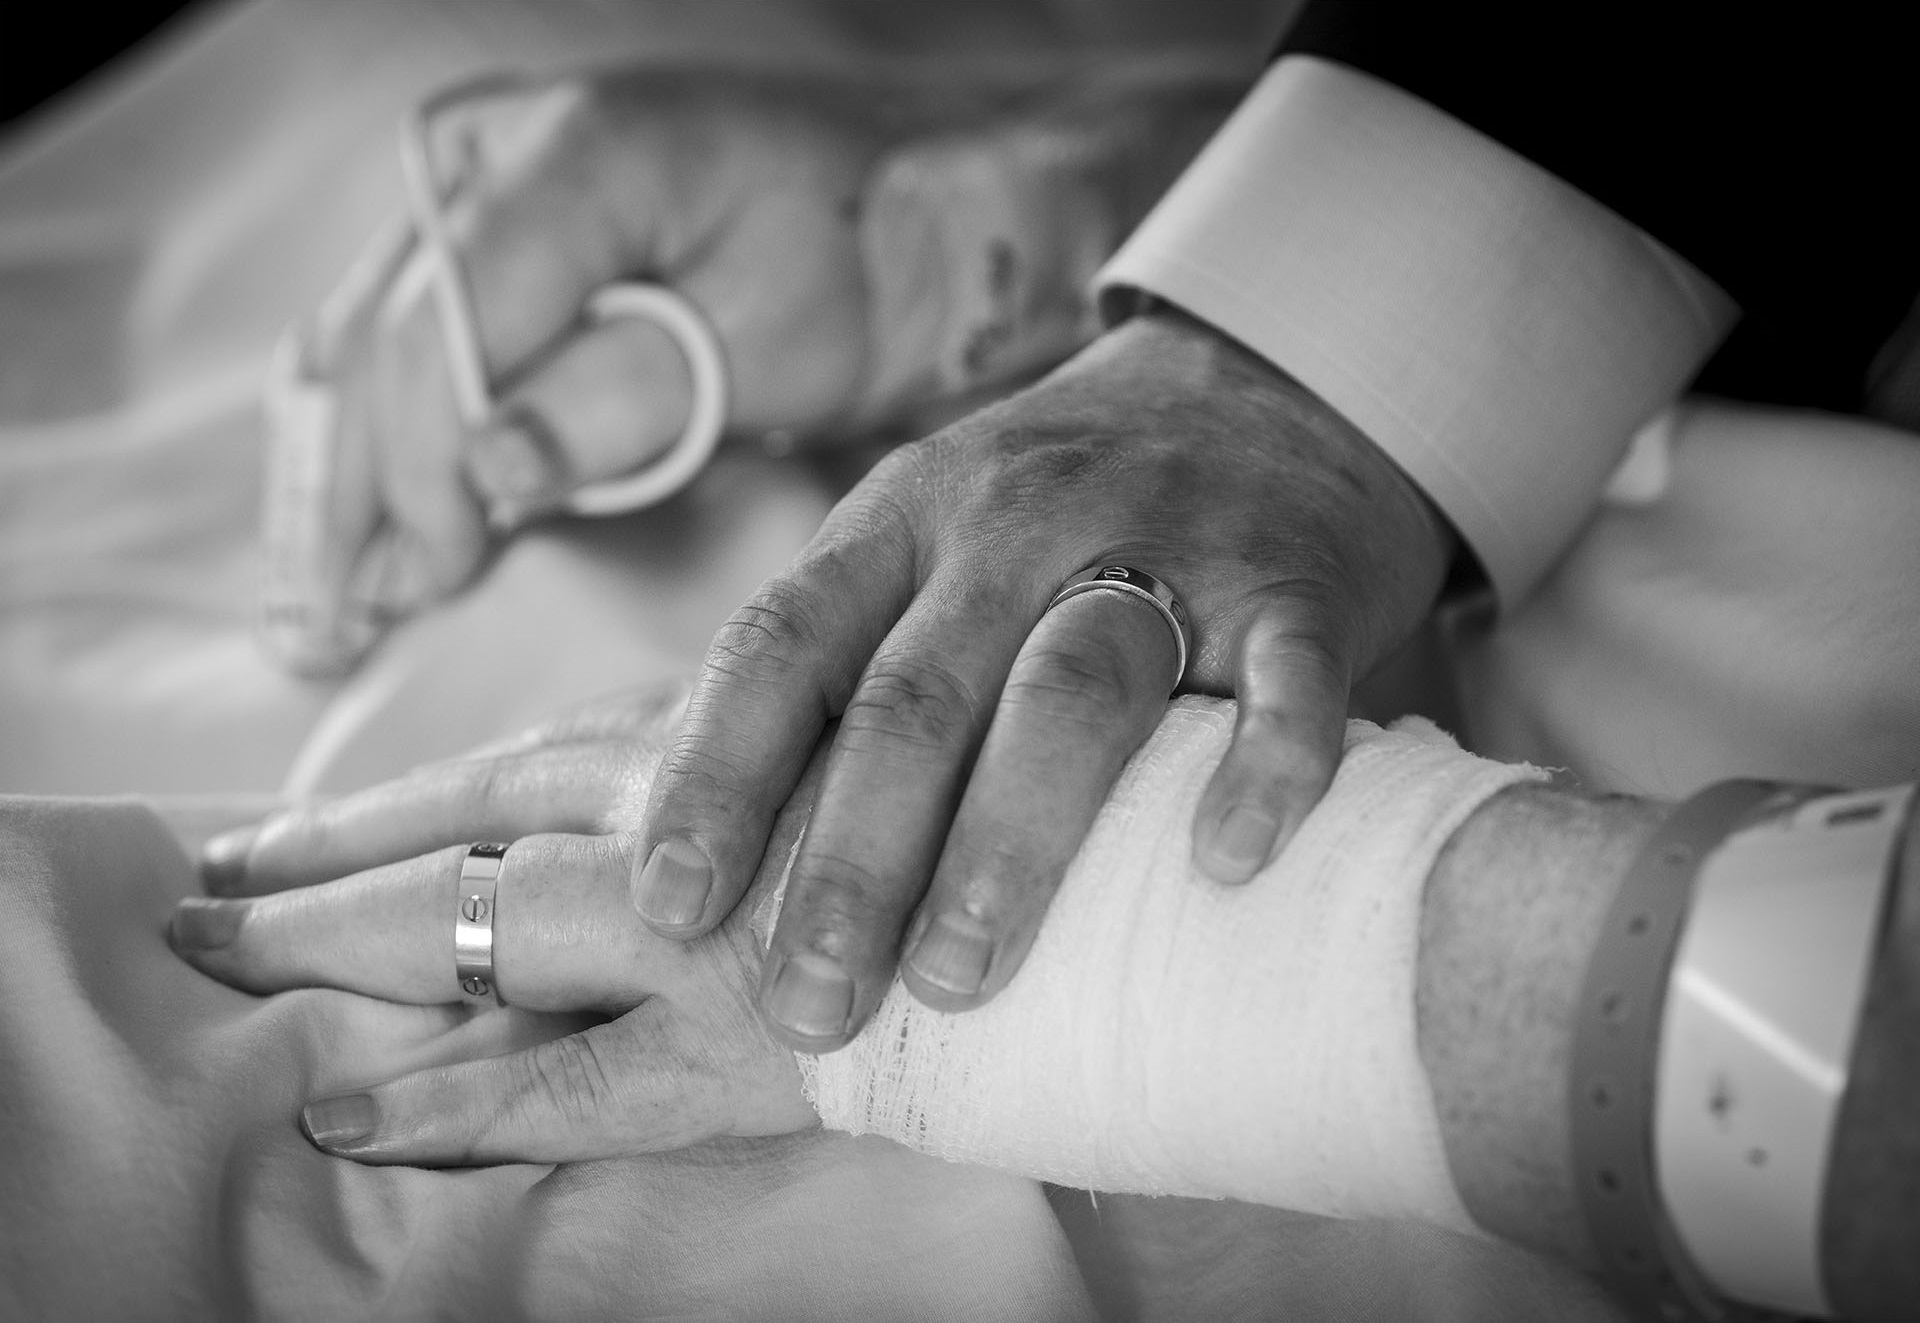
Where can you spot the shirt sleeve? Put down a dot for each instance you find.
(1496, 331)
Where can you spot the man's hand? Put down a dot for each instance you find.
(978, 740)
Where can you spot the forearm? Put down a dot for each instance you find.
(1513, 909)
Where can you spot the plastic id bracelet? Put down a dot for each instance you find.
(1761, 1016)
(1616, 1035)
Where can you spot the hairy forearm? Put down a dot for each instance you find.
(1179, 1012)
(1513, 909)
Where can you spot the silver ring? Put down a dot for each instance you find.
(473, 922)
(1140, 584)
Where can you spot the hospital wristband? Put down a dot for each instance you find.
(1615, 1041)
(1756, 1042)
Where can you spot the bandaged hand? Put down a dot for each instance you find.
(859, 243)
(1380, 1026)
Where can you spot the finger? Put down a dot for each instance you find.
(414, 416)
(566, 788)
(562, 938)
(523, 288)
(1088, 687)
(529, 221)
(610, 397)
(893, 780)
(634, 1085)
(775, 674)
(1292, 693)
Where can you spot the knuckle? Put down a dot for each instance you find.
(838, 900)
(1029, 471)
(919, 702)
(1071, 682)
(772, 633)
(1306, 589)
(490, 784)
(707, 773)
(907, 470)
(564, 1078)
(1272, 750)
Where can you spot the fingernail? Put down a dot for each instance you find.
(205, 925)
(953, 953)
(506, 464)
(1240, 843)
(674, 885)
(811, 996)
(339, 1121)
(223, 859)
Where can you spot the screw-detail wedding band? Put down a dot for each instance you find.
(473, 921)
(1140, 584)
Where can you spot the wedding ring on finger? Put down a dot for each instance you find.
(473, 922)
(1144, 587)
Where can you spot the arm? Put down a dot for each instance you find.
(1505, 921)
(1513, 908)
(1498, 268)
(1445, 321)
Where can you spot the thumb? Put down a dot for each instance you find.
(1291, 687)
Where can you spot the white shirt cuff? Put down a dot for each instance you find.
(1497, 332)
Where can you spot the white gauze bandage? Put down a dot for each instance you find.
(1169, 1035)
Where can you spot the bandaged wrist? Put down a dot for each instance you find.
(1168, 1035)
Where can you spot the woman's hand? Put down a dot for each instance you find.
(978, 736)
(741, 192)
(683, 1056)
(804, 214)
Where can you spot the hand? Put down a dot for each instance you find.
(741, 192)
(978, 738)
(683, 1056)
(815, 220)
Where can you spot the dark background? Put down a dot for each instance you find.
(50, 52)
